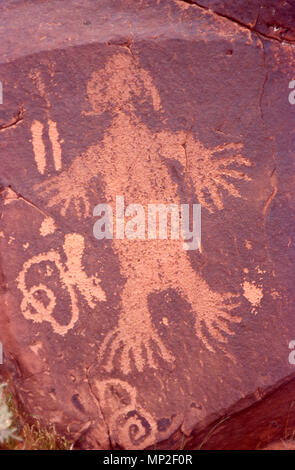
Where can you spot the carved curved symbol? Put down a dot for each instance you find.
(37, 131)
(131, 426)
(72, 275)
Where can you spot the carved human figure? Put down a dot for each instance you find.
(132, 161)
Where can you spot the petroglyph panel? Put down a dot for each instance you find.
(135, 341)
(127, 137)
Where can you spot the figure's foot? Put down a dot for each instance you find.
(138, 350)
(214, 320)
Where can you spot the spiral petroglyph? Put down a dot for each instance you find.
(131, 426)
(39, 301)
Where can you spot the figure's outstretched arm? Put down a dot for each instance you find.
(210, 171)
(71, 187)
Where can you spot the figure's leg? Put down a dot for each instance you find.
(212, 310)
(135, 340)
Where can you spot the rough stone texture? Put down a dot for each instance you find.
(281, 445)
(136, 344)
(271, 18)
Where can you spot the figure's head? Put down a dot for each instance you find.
(115, 86)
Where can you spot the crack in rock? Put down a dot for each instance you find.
(250, 28)
(96, 400)
(264, 82)
(17, 196)
(15, 120)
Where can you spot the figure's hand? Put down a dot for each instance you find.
(64, 190)
(215, 170)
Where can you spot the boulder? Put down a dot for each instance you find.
(120, 336)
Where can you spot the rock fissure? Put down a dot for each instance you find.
(264, 82)
(24, 199)
(15, 120)
(97, 401)
(239, 23)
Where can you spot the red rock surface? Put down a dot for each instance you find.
(136, 344)
(281, 445)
